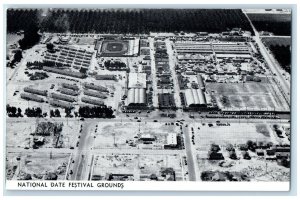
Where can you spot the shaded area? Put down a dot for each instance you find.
(128, 20)
(283, 56)
(279, 24)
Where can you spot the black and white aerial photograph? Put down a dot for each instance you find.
(148, 94)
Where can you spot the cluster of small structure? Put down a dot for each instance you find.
(70, 57)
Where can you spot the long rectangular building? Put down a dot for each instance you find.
(195, 97)
(70, 86)
(64, 72)
(68, 91)
(105, 77)
(92, 101)
(94, 94)
(136, 96)
(95, 87)
(61, 104)
(35, 91)
(32, 97)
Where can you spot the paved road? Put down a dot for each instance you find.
(153, 73)
(189, 155)
(99, 151)
(82, 153)
(145, 120)
(172, 64)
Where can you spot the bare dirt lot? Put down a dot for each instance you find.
(127, 135)
(236, 133)
(256, 169)
(37, 165)
(24, 130)
(137, 167)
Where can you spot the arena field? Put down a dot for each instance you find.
(114, 48)
(247, 96)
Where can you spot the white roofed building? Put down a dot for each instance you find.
(136, 97)
(172, 139)
(137, 80)
(195, 97)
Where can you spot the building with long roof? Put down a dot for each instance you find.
(136, 97)
(92, 101)
(62, 104)
(32, 97)
(35, 91)
(195, 97)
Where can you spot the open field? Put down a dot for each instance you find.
(37, 165)
(281, 41)
(247, 96)
(256, 169)
(13, 38)
(130, 135)
(68, 136)
(137, 167)
(236, 133)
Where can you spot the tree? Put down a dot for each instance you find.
(246, 155)
(13, 110)
(38, 112)
(215, 148)
(83, 70)
(52, 113)
(251, 145)
(20, 112)
(57, 113)
(285, 162)
(33, 112)
(50, 47)
(96, 112)
(31, 37)
(68, 112)
(230, 147)
(17, 58)
(232, 155)
(45, 114)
